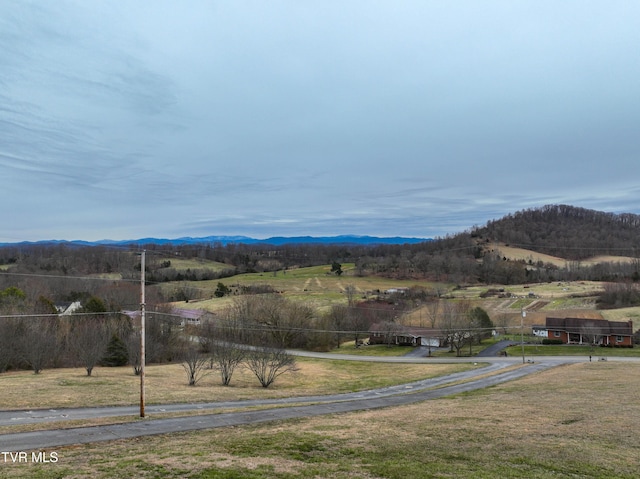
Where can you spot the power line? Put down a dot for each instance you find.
(55, 276)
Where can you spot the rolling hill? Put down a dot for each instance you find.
(566, 232)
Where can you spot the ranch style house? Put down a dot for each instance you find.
(587, 331)
(391, 333)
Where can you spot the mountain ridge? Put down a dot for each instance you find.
(224, 240)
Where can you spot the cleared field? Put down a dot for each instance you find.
(57, 388)
(520, 254)
(196, 263)
(623, 314)
(316, 286)
(577, 421)
(556, 290)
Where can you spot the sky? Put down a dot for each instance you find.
(130, 119)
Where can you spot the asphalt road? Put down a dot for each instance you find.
(317, 405)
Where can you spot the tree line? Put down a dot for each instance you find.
(564, 231)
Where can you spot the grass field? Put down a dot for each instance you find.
(520, 254)
(319, 289)
(578, 421)
(623, 314)
(572, 350)
(316, 286)
(196, 263)
(57, 388)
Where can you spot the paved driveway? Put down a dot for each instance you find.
(494, 349)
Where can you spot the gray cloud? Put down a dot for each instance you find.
(419, 118)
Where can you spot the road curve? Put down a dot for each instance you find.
(493, 373)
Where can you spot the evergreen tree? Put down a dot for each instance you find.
(117, 354)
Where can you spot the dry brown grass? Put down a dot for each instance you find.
(573, 421)
(57, 388)
(520, 254)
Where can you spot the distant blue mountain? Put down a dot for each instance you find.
(343, 239)
(224, 240)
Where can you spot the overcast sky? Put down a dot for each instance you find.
(127, 119)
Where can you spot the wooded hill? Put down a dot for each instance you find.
(566, 231)
(468, 257)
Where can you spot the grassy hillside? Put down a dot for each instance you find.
(197, 263)
(315, 286)
(532, 257)
(318, 287)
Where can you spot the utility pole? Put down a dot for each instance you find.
(523, 313)
(142, 333)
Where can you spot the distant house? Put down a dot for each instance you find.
(392, 333)
(191, 317)
(65, 309)
(587, 331)
(396, 291)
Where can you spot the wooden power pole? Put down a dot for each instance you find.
(142, 333)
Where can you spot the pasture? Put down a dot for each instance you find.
(316, 286)
(183, 264)
(532, 257)
(319, 288)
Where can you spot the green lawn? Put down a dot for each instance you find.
(571, 350)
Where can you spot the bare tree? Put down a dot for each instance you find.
(286, 323)
(456, 324)
(592, 332)
(227, 357)
(350, 292)
(390, 330)
(364, 314)
(432, 310)
(268, 363)
(194, 362)
(223, 342)
(503, 321)
(89, 342)
(38, 342)
(359, 323)
(337, 321)
(289, 323)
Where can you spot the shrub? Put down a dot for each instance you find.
(552, 341)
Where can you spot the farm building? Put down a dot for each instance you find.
(587, 331)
